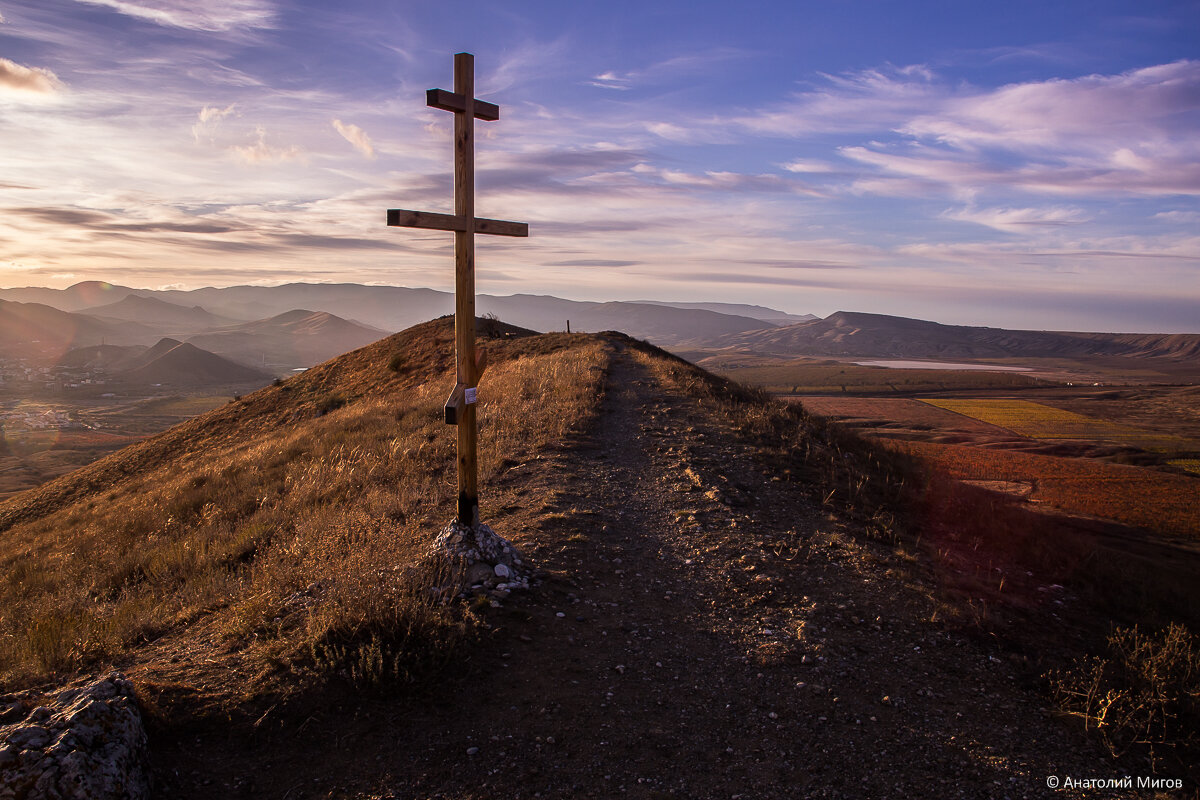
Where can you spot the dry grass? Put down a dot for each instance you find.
(286, 521)
(1191, 465)
(854, 475)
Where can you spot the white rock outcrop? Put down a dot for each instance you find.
(83, 743)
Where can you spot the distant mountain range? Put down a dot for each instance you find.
(153, 311)
(281, 328)
(858, 335)
(393, 308)
(280, 344)
(738, 309)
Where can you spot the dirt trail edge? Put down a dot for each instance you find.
(704, 631)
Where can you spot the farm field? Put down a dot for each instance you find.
(1161, 423)
(1135, 496)
(893, 414)
(1131, 455)
(30, 456)
(823, 376)
(1030, 419)
(1040, 421)
(819, 376)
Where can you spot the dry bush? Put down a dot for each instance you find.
(1144, 692)
(286, 520)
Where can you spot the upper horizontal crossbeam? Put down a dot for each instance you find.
(403, 218)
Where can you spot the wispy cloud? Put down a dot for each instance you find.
(209, 15)
(1126, 133)
(688, 64)
(808, 165)
(724, 180)
(869, 100)
(1131, 133)
(611, 80)
(1145, 108)
(356, 136)
(1179, 217)
(591, 262)
(20, 78)
(521, 64)
(696, 132)
(102, 222)
(208, 119)
(1013, 220)
(209, 113)
(262, 153)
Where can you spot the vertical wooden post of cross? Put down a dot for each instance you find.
(464, 287)
(460, 408)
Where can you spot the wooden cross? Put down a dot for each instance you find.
(460, 408)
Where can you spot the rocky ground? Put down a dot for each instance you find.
(701, 629)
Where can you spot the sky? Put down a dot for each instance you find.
(1018, 164)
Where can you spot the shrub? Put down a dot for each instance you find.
(1144, 691)
(330, 402)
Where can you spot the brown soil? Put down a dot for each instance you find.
(702, 629)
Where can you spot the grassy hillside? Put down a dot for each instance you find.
(346, 470)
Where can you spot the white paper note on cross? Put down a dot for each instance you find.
(460, 408)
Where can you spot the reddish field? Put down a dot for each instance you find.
(70, 440)
(1135, 496)
(904, 412)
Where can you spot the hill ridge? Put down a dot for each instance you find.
(696, 594)
(183, 363)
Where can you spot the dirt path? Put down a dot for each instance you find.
(704, 631)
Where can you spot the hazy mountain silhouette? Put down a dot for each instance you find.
(880, 336)
(34, 328)
(74, 298)
(151, 310)
(763, 313)
(392, 308)
(357, 312)
(294, 339)
(182, 363)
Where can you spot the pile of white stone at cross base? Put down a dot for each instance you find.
(83, 743)
(492, 564)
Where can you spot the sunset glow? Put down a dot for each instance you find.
(1021, 165)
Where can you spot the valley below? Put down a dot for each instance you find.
(44, 435)
(1115, 439)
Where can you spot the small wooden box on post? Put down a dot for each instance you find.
(460, 408)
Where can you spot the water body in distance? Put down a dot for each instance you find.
(901, 364)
